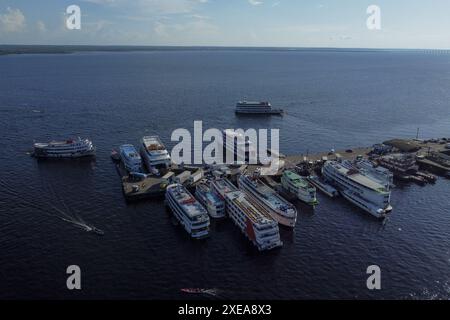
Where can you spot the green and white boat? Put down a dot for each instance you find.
(300, 187)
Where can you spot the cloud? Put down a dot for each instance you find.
(199, 32)
(40, 25)
(12, 21)
(255, 2)
(153, 6)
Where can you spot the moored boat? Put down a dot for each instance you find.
(154, 154)
(265, 198)
(257, 225)
(188, 211)
(299, 186)
(222, 186)
(361, 190)
(323, 186)
(213, 203)
(130, 158)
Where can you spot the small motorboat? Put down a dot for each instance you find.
(98, 231)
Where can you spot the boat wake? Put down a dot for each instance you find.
(211, 292)
(66, 215)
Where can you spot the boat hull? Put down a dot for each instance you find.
(380, 213)
(42, 155)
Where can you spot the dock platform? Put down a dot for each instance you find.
(150, 187)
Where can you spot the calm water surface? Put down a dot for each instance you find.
(336, 99)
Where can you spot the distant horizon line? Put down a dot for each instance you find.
(212, 46)
(20, 49)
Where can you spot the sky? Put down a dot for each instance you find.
(263, 23)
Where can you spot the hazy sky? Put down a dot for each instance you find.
(290, 23)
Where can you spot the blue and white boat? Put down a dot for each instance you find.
(130, 158)
(210, 200)
(188, 211)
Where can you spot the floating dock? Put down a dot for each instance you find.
(154, 187)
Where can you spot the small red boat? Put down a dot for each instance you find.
(192, 290)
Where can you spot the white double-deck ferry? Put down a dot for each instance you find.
(362, 190)
(256, 107)
(188, 211)
(154, 153)
(299, 186)
(243, 150)
(213, 203)
(130, 158)
(256, 224)
(73, 148)
(264, 198)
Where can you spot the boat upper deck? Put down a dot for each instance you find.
(356, 176)
(256, 216)
(129, 151)
(269, 195)
(296, 180)
(211, 196)
(253, 104)
(224, 186)
(187, 202)
(153, 143)
(65, 143)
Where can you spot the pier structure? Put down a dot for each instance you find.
(432, 155)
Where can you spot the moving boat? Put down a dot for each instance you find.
(259, 227)
(154, 153)
(299, 186)
(188, 211)
(265, 198)
(323, 186)
(213, 203)
(256, 107)
(360, 189)
(72, 148)
(130, 158)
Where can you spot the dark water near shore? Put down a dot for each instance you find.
(333, 100)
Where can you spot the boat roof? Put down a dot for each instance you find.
(185, 199)
(209, 194)
(296, 179)
(264, 103)
(224, 185)
(269, 194)
(239, 199)
(58, 142)
(359, 178)
(153, 141)
(129, 150)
